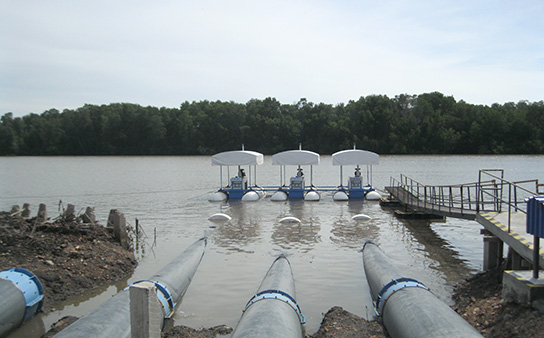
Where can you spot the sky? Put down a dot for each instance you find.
(63, 54)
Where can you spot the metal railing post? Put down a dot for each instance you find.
(463, 197)
(478, 189)
(451, 199)
(509, 205)
(425, 198)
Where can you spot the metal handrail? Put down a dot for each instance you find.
(484, 195)
(518, 203)
(458, 196)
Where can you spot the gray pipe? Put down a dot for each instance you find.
(273, 311)
(12, 307)
(112, 318)
(406, 307)
(21, 297)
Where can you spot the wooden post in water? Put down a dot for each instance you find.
(42, 212)
(26, 210)
(89, 216)
(70, 213)
(15, 210)
(117, 221)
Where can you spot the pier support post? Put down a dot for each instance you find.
(514, 260)
(493, 252)
(145, 311)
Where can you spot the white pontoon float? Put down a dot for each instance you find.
(355, 188)
(239, 187)
(297, 188)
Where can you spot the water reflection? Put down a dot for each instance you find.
(243, 229)
(352, 234)
(303, 235)
(305, 211)
(356, 206)
(438, 252)
(296, 235)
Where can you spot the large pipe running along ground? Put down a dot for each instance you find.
(273, 311)
(112, 318)
(21, 297)
(405, 306)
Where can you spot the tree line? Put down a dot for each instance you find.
(429, 123)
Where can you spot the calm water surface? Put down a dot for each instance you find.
(168, 195)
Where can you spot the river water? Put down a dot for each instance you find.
(168, 195)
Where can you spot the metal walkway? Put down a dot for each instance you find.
(494, 194)
(427, 203)
(497, 204)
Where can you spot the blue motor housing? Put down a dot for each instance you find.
(355, 187)
(236, 190)
(296, 188)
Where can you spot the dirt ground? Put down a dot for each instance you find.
(70, 258)
(478, 300)
(338, 322)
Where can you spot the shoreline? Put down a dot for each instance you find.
(70, 258)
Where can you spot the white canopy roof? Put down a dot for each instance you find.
(355, 157)
(238, 157)
(296, 157)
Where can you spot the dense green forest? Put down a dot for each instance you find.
(429, 123)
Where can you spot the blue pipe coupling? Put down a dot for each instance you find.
(390, 288)
(279, 295)
(29, 285)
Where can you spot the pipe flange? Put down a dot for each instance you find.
(390, 288)
(30, 287)
(279, 295)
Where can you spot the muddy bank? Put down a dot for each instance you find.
(69, 258)
(478, 300)
(338, 322)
